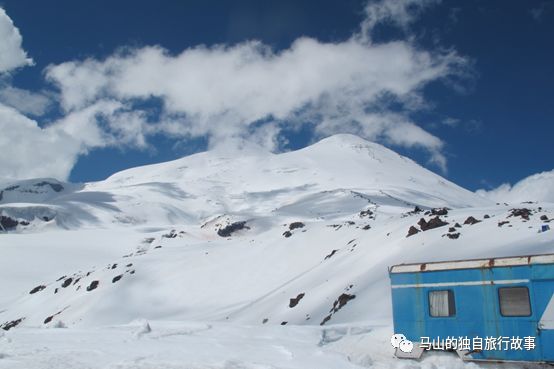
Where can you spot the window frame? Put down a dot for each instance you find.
(451, 299)
(528, 301)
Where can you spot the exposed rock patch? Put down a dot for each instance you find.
(171, 234)
(231, 228)
(339, 303)
(413, 230)
(295, 300)
(295, 225)
(435, 222)
(54, 186)
(66, 283)
(471, 220)
(524, 213)
(12, 324)
(37, 289)
(7, 223)
(326, 319)
(439, 211)
(366, 213)
(93, 285)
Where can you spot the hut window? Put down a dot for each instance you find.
(514, 301)
(441, 303)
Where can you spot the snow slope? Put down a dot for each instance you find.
(300, 239)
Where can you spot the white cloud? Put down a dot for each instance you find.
(538, 187)
(224, 91)
(399, 12)
(30, 151)
(26, 102)
(12, 54)
(239, 94)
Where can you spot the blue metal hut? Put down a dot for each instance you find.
(499, 309)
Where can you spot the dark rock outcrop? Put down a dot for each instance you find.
(453, 236)
(439, 211)
(7, 223)
(171, 234)
(524, 213)
(231, 228)
(55, 186)
(66, 283)
(93, 285)
(295, 225)
(37, 289)
(413, 230)
(295, 300)
(341, 302)
(11, 324)
(326, 319)
(433, 223)
(471, 220)
(365, 213)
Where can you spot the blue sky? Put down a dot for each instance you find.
(483, 119)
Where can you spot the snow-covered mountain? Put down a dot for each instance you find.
(249, 183)
(300, 238)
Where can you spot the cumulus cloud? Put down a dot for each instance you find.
(31, 151)
(224, 92)
(538, 187)
(12, 54)
(250, 93)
